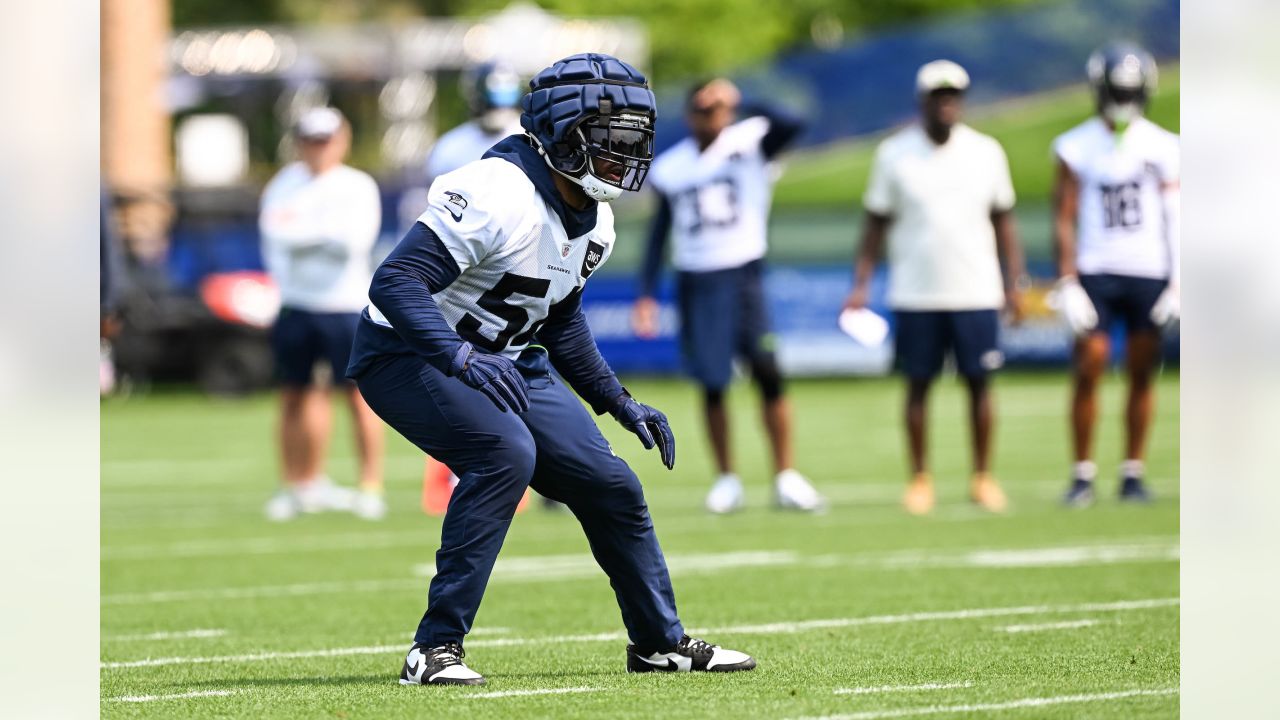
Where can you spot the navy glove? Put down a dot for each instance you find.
(649, 425)
(493, 375)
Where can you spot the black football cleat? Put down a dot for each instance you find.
(1080, 495)
(440, 665)
(689, 655)
(1133, 490)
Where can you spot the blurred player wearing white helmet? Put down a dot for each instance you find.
(714, 193)
(492, 91)
(1116, 234)
(319, 221)
(941, 195)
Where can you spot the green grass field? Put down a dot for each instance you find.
(210, 611)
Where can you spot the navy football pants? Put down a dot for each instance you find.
(557, 449)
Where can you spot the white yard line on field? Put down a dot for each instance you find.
(522, 693)
(552, 568)
(901, 688)
(1036, 627)
(169, 635)
(175, 696)
(990, 707)
(569, 567)
(772, 628)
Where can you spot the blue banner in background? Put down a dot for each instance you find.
(804, 303)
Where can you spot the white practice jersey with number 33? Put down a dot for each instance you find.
(515, 258)
(1121, 226)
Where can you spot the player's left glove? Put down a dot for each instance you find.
(649, 425)
(1168, 307)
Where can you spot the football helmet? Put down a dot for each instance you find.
(591, 117)
(1123, 77)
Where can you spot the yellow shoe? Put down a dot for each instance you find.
(919, 497)
(986, 492)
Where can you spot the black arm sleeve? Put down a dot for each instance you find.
(401, 290)
(574, 354)
(784, 127)
(658, 232)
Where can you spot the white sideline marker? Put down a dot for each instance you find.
(175, 635)
(176, 696)
(773, 628)
(988, 707)
(901, 688)
(522, 693)
(1036, 627)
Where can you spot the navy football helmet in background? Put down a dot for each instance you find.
(591, 116)
(492, 91)
(1123, 78)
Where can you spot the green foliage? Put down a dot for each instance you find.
(688, 38)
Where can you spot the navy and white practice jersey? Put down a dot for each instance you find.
(515, 257)
(719, 197)
(1121, 226)
(466, 143)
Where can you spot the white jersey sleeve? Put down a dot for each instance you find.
(477, 208)
(879, 195)
(1004, 197)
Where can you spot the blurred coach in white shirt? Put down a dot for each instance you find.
(319, 221)
(940, 193)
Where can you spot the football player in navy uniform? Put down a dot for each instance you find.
(467, 318)
(1116, 233)
(714, 192)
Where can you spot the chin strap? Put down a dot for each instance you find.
(592, 186)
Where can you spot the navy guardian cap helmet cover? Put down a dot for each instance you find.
(591, 116)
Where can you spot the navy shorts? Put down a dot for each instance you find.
(1123, 297)
(301, 338)
(722, 316)
(925, 336)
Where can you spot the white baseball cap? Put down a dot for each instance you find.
(318, 123)
(941, 75)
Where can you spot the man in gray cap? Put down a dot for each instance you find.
(319, 221)
(941, 195)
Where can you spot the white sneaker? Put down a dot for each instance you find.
(369, 505)
(322, 494)
(726, 494)
(282, 507)
(793, 492)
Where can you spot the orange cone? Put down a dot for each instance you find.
(437, 486)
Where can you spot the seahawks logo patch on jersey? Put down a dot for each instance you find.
(459, 201)
(595, 253)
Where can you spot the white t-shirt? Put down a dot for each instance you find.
(1121, 223)
(942, 246)
(317, 235)
(466, 143)
(513, 253)
(719, 197)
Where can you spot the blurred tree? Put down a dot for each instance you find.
(688, 37)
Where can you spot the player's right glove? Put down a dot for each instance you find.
(1073, 303)
(1168, 307)
(649, 425)
(493, 375)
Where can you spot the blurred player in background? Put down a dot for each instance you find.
(319, 221)
(941, 195)
(1116, 234)
(492, 91)
(714, 191)
(467, 317)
